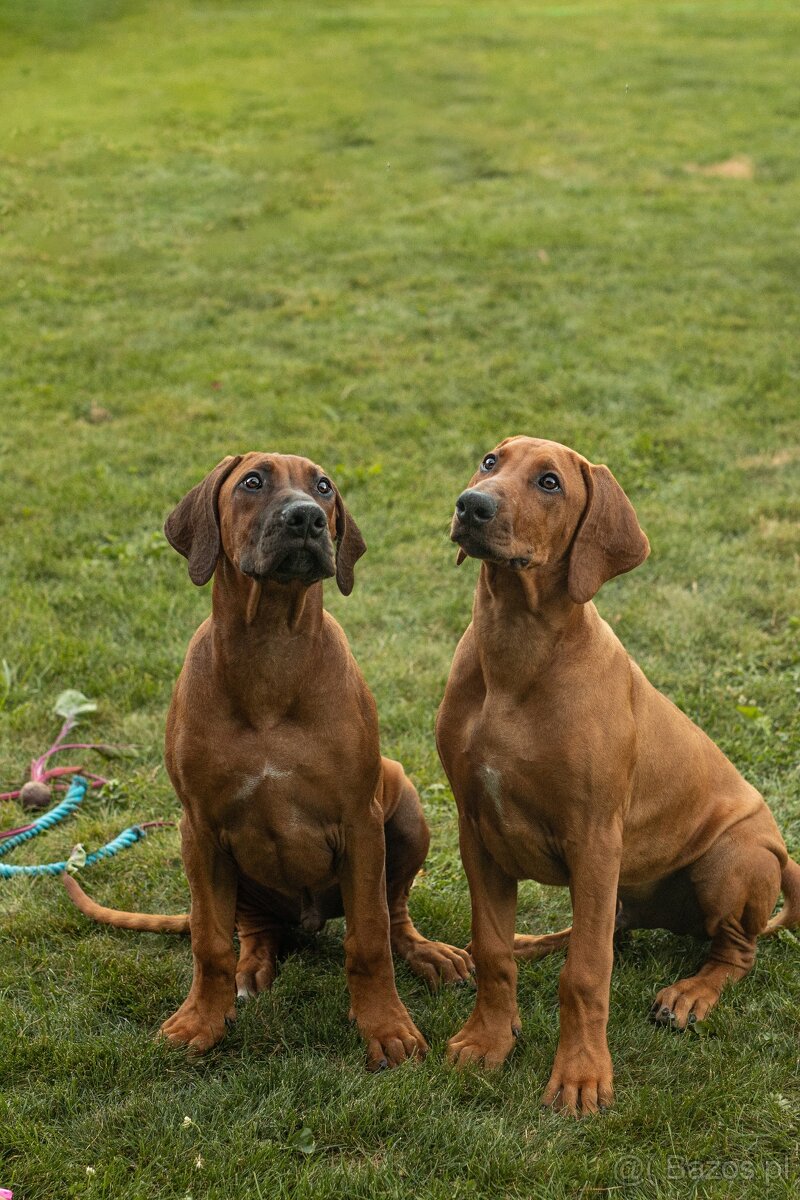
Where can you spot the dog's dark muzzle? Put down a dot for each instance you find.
(295, 545)
(475, 509)
(304, 545)
(472, 521)
(304, 520)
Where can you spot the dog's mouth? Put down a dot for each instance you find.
(475, 546)
(307, 562)
(304, 564)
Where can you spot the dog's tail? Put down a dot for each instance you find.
(789, 916)
(151, 922)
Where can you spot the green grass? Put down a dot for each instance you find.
(386, 236)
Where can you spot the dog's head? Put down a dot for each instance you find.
(534, 504)
(274, 517)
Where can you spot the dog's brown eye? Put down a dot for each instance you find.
(488, 462)
(324, 487)
(549, 482)
(252, 482)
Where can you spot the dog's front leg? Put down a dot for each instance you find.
(488, 1035)
(378, 1011)
(582, 1076)
(199, 1023)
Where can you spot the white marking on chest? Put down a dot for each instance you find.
(270, 772)
(250, 782)
(492, 786)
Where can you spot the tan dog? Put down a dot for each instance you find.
(272, 746)
(568, 767)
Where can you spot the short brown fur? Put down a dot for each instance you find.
(568, 767)
(291, 815)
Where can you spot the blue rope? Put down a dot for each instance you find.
(126, 838)
(76, 793)
(74, 796)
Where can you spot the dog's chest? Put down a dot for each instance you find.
(282, 814)
(298, 855)
(267, 773)
(517, 829)
(279, 833)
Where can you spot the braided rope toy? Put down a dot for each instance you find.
(36, 793)
(78, 858)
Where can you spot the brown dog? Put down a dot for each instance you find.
(568, 767)
(290, 813)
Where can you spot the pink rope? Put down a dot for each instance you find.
(7, 833)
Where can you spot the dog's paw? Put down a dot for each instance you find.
(684, 1003)
(438, 963)
(258, 962)
(392, 1041)
(483, 1042)
(581, 1082)
(196, 1026)
(253, 978)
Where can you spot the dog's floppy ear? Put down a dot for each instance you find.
(609, 540)
(192, 528)
(350, 545)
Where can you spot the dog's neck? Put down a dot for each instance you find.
(263, 635)
(520, 618)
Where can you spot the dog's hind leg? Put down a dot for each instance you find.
(262, 919)
(407, 841)
(737, 883)
(258, 960)
(789, 916)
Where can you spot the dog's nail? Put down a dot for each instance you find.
(665, 1012)
(692, 1019)
(516, 1030)
(383, 1065)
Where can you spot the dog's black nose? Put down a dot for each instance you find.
(474, 507)
(305, 519)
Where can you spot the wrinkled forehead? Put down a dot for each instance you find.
(287, 470)
(539, 454)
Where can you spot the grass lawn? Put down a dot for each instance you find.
(385, 236)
